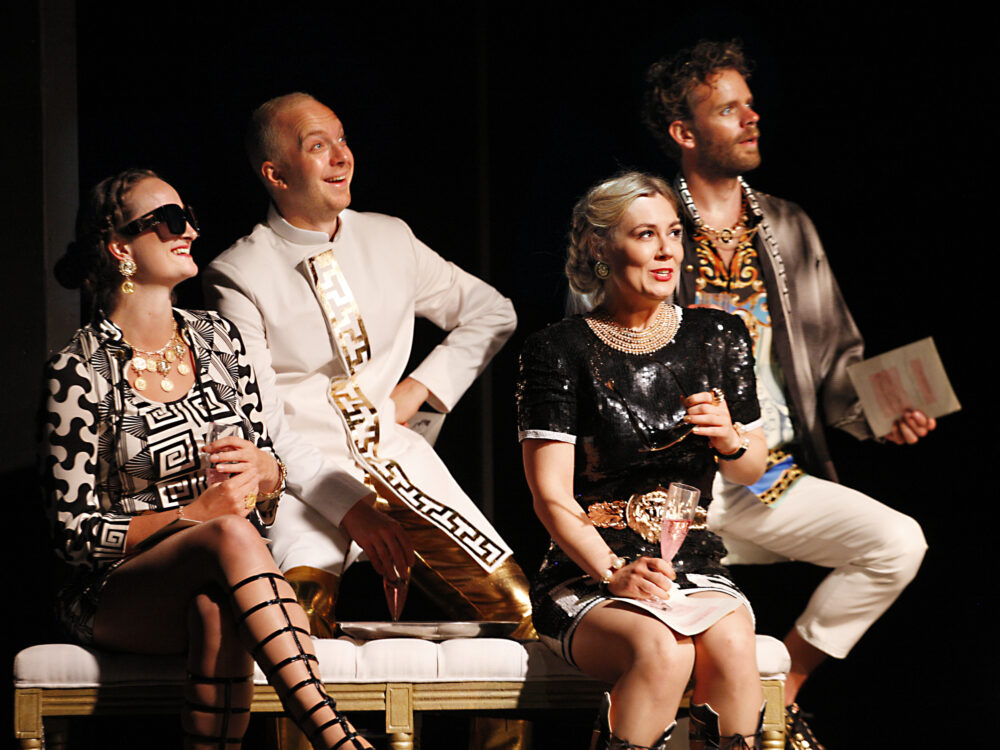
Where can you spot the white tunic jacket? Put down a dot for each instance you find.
(261, 284)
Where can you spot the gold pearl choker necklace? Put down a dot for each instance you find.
(654, 336)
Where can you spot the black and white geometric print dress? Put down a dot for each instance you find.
(108, 454)
(622, 413)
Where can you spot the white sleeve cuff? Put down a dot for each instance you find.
(561, 437)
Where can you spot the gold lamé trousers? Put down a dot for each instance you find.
(447, 575)
(456, 583)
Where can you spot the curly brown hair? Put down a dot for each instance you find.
(87, 263)
(670, 81)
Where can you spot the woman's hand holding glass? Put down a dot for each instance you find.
(646, 578)
(234, 455)
(239, 471)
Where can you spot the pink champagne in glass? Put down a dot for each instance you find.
(396, 588)
(678, 513)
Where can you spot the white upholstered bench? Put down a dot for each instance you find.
(395, 676)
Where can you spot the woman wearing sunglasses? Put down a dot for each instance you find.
(612, 406)
(157, 517)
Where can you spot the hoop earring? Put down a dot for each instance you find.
(602, 270)
(127, 268)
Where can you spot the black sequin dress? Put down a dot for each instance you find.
(624, 414)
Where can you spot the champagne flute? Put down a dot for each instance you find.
(396, 586)
(678, 513)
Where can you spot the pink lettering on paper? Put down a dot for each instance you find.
(923, 382)
(888, 388)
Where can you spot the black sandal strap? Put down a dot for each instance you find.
(202, 708)
(226, 710)
(279, 631)
(270, 576)
(351, 736)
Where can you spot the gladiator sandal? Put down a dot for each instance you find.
(704, 731)
(285, 653)
(605, 739)
(798, 734)
(218, 716)
(316, 591)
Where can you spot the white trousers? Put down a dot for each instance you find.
(301, 536)
(873, 550)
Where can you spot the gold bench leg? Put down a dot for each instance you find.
(400, 740)
(399, 719)
(774, 714)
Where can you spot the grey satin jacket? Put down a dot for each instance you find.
(815, 336)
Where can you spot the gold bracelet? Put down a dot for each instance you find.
(282, 476)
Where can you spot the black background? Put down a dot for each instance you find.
(481, 123)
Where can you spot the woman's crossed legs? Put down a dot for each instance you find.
(178, 597)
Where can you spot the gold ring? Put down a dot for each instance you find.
(718, 396)
(250, 500)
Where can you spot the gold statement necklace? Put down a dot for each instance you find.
(159, 362)
(740, 233)
(654, 336)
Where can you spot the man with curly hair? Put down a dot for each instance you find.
(759, 257)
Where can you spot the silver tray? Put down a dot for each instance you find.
(428, 631)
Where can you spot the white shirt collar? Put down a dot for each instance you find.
(299, 236)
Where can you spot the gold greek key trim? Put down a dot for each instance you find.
(361, 418)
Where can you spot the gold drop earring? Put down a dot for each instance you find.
(127, 268)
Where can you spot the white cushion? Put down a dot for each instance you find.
(341, 660)
(397, 660)
(773, 660)
(500, 659)
(66, 665)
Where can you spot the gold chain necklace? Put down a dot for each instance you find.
(739, 232)
(160, 362)
(655, 336)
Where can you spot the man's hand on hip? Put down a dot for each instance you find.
(408, 395)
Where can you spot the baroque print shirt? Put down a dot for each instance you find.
(739, 289)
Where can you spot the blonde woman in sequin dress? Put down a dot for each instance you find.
(606, 406)
(164, 556)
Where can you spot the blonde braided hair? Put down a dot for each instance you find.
(595, 217)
